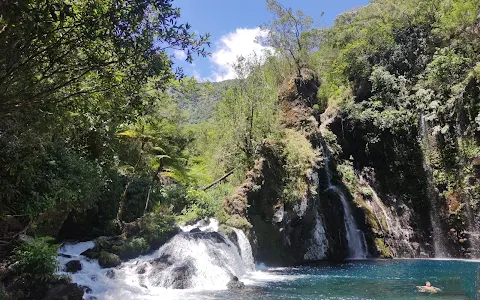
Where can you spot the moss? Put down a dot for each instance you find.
(227, 230)
(300, 158)
(383, 249)
(370, 215)
(238, 222)
(108, 260)
(348, 175)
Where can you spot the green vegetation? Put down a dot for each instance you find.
(95, 123)
(36, 266)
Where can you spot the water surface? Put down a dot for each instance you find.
(370, 279)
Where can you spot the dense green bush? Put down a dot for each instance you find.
(37, 261)
(131, 248)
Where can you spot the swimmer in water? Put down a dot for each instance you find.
(428, 288)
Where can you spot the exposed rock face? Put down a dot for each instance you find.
(284, 232)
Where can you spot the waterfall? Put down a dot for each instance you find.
(438, 240)
(195, 260)
(245, 249)
(203, 259)
(397, 234)
(474, 237)
(357, 246)
(318, 244)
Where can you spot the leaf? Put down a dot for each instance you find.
(128, 133)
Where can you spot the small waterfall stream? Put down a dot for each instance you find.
(203, 259)
(437, 235)
(398, 234)
(245, 249)
(357, 246)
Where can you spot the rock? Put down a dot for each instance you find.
(195, 230)
(64, 255)
(69, 291)
(179, 277)
(86, 289)
(25, 239)
(73, 266)
(4, 271)
(108, 260)
(91, 253)
(235, 284)
(110, 274)
(142, 269)
(182, 276)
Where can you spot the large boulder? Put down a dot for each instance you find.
(73, 266)
(108, 260)
(64, 291)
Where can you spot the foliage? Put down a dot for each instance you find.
(291, 34)
(157, 228)
(300, 158)
(131, 248)
(78, 81)
(37, 261)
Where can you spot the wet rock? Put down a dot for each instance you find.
(73, 266)
(69, 291)
(142, 269)
(64, 255)
(91, 253)
(235, 284)
(110, 274)
(182, 276)
(108, 260)
(195, 230)
(86, 289)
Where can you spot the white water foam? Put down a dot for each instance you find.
(211, 225)
(214, 263)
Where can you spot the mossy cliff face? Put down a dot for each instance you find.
(402, 189)
(280, 199)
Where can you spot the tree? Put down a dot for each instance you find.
(291, 34)
(72, 73)
(247, 111)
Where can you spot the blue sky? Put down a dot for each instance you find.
(233, 25)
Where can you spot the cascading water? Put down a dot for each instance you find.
(397, 234)
(245, 249)
(198, 260)
(438, 241)
(357, 246)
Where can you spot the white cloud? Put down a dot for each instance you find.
(179, 54)
(241, 42)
